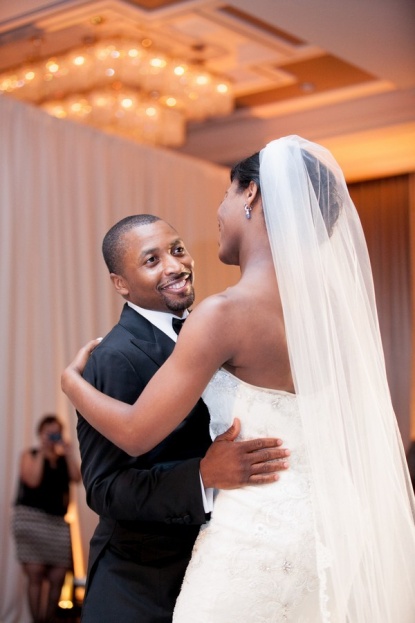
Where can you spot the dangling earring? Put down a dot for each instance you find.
(247, 209)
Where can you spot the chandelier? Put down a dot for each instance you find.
(124, 87)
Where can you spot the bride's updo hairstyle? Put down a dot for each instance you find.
(246, 171)
(326, 189)
(323, 183)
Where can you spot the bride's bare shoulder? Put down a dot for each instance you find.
(217, 303)
(222, 309)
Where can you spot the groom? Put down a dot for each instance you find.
(151, 507)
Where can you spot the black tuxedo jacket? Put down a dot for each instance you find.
(150, 507)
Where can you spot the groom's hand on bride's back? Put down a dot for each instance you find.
(230, 464)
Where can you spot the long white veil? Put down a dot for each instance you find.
(361, 491)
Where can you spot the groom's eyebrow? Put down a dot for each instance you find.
(151, 251)
(176, 242)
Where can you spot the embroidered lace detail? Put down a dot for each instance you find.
(255, 562)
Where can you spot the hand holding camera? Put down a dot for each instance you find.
(55, 437)
(58, 443)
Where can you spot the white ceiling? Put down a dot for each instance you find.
(369, 125)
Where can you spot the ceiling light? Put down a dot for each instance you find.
(123, 86)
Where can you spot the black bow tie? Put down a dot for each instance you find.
(177, 324)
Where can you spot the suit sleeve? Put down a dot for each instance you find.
(150, 488)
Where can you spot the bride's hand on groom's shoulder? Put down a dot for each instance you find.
(231, 464)
(77, 365)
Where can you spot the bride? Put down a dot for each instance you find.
(293, 348)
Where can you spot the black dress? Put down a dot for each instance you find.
(40, 531)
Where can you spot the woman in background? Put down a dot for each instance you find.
(41, 534)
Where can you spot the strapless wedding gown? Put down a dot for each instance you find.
(255, 561)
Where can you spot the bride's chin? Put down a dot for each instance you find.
(226, 258)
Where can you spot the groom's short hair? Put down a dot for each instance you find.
(113, 243)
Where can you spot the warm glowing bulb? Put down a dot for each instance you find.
(171, 101)
(5, 84)
(202, 80)
(133, 53)
(79, 60)
(222, 88)
(29, 75)
(158, 62)
(151, 111)
(109, 72)
(127, 102)
(59, 112)
(179, 70)
(52, 66)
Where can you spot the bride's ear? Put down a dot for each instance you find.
(252, 192)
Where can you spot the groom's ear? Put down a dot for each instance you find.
(120, 284)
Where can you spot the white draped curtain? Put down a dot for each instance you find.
(62, 187)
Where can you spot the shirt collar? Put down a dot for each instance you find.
(161, 320)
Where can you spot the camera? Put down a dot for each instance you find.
(56, 437)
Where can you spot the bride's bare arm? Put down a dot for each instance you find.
(168, 397)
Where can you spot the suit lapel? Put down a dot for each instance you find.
(145, 336)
